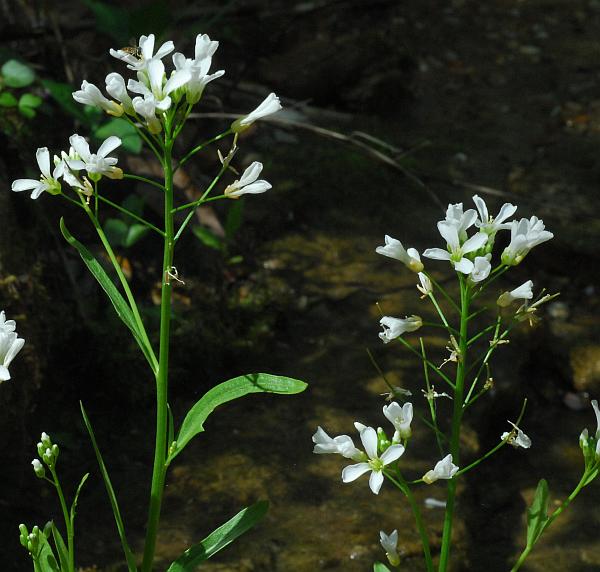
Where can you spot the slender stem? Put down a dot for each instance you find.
(432, 400)
(160, 448)
(401, 484)
(440, 313)
(144, 180)
(130, 298)
(480, 334)
(195, 150)
(496, 273)
(444, 293)
(428, 362)
(133, 216)
(67, 519)
(456, 422)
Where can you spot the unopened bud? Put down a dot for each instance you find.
(38, 468)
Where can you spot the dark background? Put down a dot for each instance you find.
(392, 110)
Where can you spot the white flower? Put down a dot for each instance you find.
(48, 181)
(430, 502)
(481, 268)
(444, 469)
(89, 94)
(198, 67)
(523, 292)
(96, 164)
(375, 464)
(146, 107)
(395, 327)
(115, 87)
(248, 183)
(390, 545)
(491, 225)
(455, 253)
(584, 438)
(6, 325)
(341, 445)
(518, 439)
(146, 49)
(394, 249)
(460, 220)
(269, 106)
(425, 288)
(10, 346)
(400, 418)
(156, 86)
(524, 235)
(38, 468)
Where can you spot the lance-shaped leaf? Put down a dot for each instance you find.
(220, 538)
(122, 309)
(379, 567)
(537, 513)
(61, 548)
(228, 391)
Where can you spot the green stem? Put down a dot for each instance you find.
(496, 273)
(160, 448)
(195, 150)
(123, 281)
(132, 215)
(443, 291)
(441, 314)
(144, 180)
(428, 362)
(456, 422)
(67, 519)
(401, 484)
(432, 400)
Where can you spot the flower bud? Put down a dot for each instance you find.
(23, 534)
(38, 468)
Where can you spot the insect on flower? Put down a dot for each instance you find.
(133, 50)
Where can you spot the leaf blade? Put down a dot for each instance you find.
(220, 538)
(537, 513)
(228, 391)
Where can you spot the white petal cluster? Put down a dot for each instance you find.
(522, 292)
(48, 180)
(341, 445)
(394, 249)
(401, 418)
(591, 445)
(516, 438)
(154, 90)
(524, 235)
(10, 345)
(248, 183)
(395, 327)
(444, 469)
(390, 544)
(270, 105)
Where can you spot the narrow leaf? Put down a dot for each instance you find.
(112, 497)
(77, 492)
(46, 560)
(207, 238)
(228, 391)
(220, 538)
(379, 567)
(537, 513)
(121, 307)
(61, 548)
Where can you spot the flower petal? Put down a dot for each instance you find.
(375, 481)
(353, 472)
(368, 437)
(392, 453)
(109, 145)
(43, 160)
(437, 254)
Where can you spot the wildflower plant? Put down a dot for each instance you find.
(469, 247)
(157, 103)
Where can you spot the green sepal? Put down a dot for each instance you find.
(220, 538)
(537, 513)
(120, 305)
(228, 391)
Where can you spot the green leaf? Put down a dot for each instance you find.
(17, 74)
(111, 494)
(130, 138)
(134, 233)
(220, 538)
(120, 305)
(76, 499)
(537, 513)
(133, 203)
(116, 231)
(228, 391)
(8, 100)
(234, 218)
(61, 548)
(27, 104)
(63, 95)
(46, 560)
(379, 567)
(207, 237)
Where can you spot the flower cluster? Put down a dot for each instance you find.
(10, 345)
(78, 168)
(154, 94)
(590, 444)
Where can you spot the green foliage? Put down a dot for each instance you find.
(120, 233)
(220, 538)
(62, 93)
(228, 391)
(111, 494)
(7, 99)
(208, 238)
(46, 561)
(537, 513)
(16, 74)
(379, 567)
(131, 141)
(61, 548)
(28, 103)
(120, 305)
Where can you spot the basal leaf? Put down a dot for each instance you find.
(379, 567)
(220, 538)
(537, 513)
